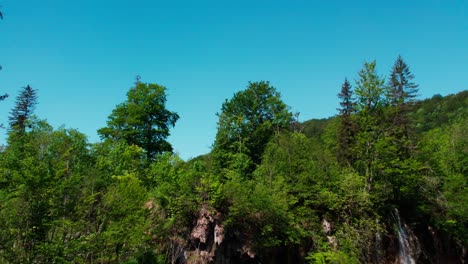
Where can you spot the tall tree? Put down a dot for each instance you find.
(142, 120)
(369, 89)
(23, 110)
(346, 128)
(401, 91)
(402, 88)
(400, 163)
(246, 124)
(370, 103)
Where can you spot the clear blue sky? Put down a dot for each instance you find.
(83, 56)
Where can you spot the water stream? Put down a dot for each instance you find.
(404, 253)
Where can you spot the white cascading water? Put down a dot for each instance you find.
(403, 241)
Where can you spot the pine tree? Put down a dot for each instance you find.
(400, 94)
(401, 91)
(23, 110)
(346, 128)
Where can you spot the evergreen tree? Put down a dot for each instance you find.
(346, 128)
(401, 91)
(400, 165)
(23, 110)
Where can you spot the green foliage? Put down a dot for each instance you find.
(315, 128)
(438, 111)
(142, 120)
(114, 158)
(44, 187)
(336, 257)
(281, 194)
(369, 91)
(246, 124)
(444, 151)
(257, 212)
(401, 90)
(347, 127)
(125, 218)
(23, 110)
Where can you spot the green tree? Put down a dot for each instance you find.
(401, 92)
(401, 88)
(444, 153)
(40, 180)
(23, 110)
(370, 102)
(347, 127)
(369, 88)
(246, 124)
(142, 120)
(123, 236)
(399, 166)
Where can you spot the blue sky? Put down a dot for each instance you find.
(83, 56)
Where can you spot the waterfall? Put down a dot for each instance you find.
(404, 253)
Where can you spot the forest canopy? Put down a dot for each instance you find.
(272, 190)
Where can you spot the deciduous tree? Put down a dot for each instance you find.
(369, 91)
(142, 120)
(246, 124)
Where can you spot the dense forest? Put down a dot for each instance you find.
(383, 181)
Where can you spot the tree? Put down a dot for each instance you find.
(23, 110)
(246, 124)
(369, 88)
(401, 92)
(369, 91)
(142, 120)
(402, 89)
(346, 128)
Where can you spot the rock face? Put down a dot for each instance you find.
(202, 239)
(327, 229)
(218, 234)
(209, 242)
(201, 231)
(422, 243)
(438, 248)
(327, 226)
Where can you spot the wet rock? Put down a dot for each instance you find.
(201, 230)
